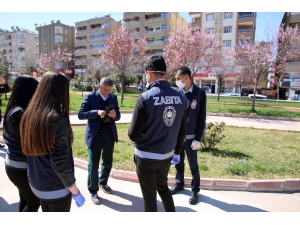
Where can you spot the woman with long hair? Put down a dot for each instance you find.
(15, 161)
(46, 138)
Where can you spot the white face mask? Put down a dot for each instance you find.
(180, 84)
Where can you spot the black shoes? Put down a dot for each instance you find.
(194, 198)
(95, 199)
(175, 188)
(105, 188)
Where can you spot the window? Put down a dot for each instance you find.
(66, 31)
(226, 43)
(106, 25)
(20, 35)
(245, 14)
(210, 30)
(228, 15)
(97, 36)
(209, 17)
(58, 39)
(58, 30)
(164, 27)
(242, 41)
(166, 39)
(227, 29)
(97, 46)
(165, 15)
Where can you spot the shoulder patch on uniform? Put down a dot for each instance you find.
(169, 115)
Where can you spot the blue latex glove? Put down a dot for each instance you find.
(79, 199)
(175, 160)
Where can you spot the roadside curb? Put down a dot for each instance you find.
(290, 185)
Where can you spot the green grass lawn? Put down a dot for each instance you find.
(261, 107)
(245, 153)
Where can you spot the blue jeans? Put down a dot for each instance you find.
(193, 162)
(105, 142)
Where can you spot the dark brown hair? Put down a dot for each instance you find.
(39, 122)
(22, 91)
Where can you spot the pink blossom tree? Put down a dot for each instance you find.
(287, 47)
(243, 79)
(121, 52)
(96, 67)
(219, 61)
(187, 48)
(56, 60)
(256, 58)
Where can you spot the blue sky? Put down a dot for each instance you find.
(26, 13)
(26, 20)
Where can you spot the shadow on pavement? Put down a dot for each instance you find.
(5, 207)
(228, 207)
(137, 204)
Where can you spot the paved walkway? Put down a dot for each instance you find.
(127, 197)
(244, 196)
(230, 120)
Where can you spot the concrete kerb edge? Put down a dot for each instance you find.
(291, 185)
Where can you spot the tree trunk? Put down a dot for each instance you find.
(122, 88)
(277, 92)
(254, 94)
(219, 89)
(241, 92)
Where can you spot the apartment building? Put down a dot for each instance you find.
(290, 86)
(15, 43)
(55, 35)
(232, 28)
(90, 38)
(154, 26)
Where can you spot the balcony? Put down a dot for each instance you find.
(245, 31)
(81, 40)
(155, 42)
(245, 15)
(97, 28)
(152, 19)
(21, 43)
(81, 31)
(80, 50)
(132, 22)
(58, 32)
(135, 33)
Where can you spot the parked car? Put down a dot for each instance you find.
(259, 97)
(140, 87)
(232, 94)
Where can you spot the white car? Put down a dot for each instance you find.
(257, 96)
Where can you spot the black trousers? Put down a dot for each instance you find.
(193, 163)
(57, 205)
(153, 176)
(28, 201)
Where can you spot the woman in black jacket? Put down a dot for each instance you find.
(46, 138)
(15, 161)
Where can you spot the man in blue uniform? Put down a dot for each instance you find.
(158, 130)
(195, 128)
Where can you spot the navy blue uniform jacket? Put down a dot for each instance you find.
(88, 110)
